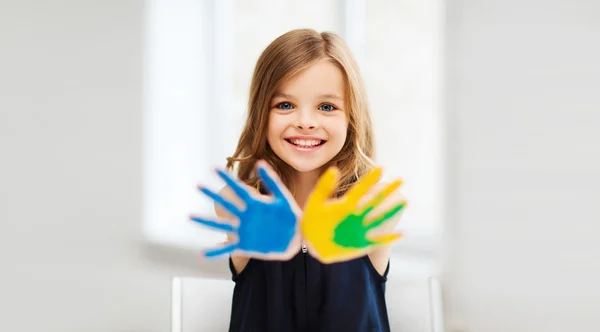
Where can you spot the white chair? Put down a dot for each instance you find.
(204, 305)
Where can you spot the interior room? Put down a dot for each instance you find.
(112, 112)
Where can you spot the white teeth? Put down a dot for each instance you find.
(305, 143)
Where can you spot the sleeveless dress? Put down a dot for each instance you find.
(304, 295)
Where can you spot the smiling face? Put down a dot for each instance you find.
(307, 118)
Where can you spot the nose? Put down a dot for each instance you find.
(306, 120)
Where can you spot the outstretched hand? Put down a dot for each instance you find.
(337, 229)
(267, 227)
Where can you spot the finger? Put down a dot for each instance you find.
(362, 186)
(382, 195)
(213, 224)
(222, 201)
(270, 180)
(367, 210)
(325, 187)
(387, 239)
(210, 253)
(235, 185)
(387, 215)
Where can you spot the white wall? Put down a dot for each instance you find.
(71, 253)
(523, 92)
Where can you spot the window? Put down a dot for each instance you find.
(200, 56)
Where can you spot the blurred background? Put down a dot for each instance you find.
(112, 111)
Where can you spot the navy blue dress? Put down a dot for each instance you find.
(304, 295)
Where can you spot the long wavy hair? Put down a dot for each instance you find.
(284, 58)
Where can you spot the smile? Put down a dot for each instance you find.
(305, 144)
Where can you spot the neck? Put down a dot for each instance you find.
(304, 183)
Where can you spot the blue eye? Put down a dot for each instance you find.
(327, 107)
(284, 106)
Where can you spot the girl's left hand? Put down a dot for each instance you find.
(338, 229)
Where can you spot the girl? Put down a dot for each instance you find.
(307, 111)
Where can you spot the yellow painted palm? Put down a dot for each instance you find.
(336, 228)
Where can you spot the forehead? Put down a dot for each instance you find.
(321, 79)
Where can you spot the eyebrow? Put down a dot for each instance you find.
(327, 95)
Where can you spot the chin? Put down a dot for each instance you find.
(305, 166)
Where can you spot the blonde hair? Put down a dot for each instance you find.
(284, 58)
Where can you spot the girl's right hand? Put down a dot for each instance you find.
(267, 227)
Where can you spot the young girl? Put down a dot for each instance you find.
(307, 111)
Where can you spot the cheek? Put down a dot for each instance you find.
(339, 128)
(275, 127)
